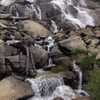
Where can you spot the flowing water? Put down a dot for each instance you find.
(6, 2)
(50, 45)
(50, 87)
(43, 87)
(79, 91)
(71, 11)
(54, 27)
(68, 8)
(78, 70)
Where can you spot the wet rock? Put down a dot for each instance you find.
(64, 92)
(98, 56)
(82, 98)
(73, 42)
(87, 31)
(22, 9)
(59, 36)
(63, 61)
(2, 67)
(58, 98)
(73, 11)
(93, 43)
(93, 49)
(67, 26)
(96, 13)
(34, 28)
(12, 89)
(97, 33)
(92, 4)
(40, 56)
(1, 42)
(56, 53)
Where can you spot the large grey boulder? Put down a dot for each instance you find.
(12, 89)
(40, 56)
(35, 29)
(73, 42)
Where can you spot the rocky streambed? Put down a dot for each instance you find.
(45, 58)
(81, 46)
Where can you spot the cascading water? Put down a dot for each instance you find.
(78, 70)
(49, 88)
(46, 88)
(6, 2)
(74, 11)
(43, 87)
(35, 8)
(54, 27)
(79, 90)
(50, 45)
(81, 17)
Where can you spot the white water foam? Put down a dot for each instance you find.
(51, 88)
(54, 27)
(83, 18)
(6, 2)
(78, 70)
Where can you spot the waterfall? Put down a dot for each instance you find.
(50, 45)
(43, 86)
(48, 88)
(65, 92)
(37, 11)
(74, 11)
(54, 27)
(35, 8)
(7, 2)
(78, 70)
(79, 91)
(81, 17)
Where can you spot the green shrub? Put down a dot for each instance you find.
(93, 86)
(88, 62)
(78, 51)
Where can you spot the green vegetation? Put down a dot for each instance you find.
(58, 69)
(93, 86)
(88, 62)
(78, 51)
